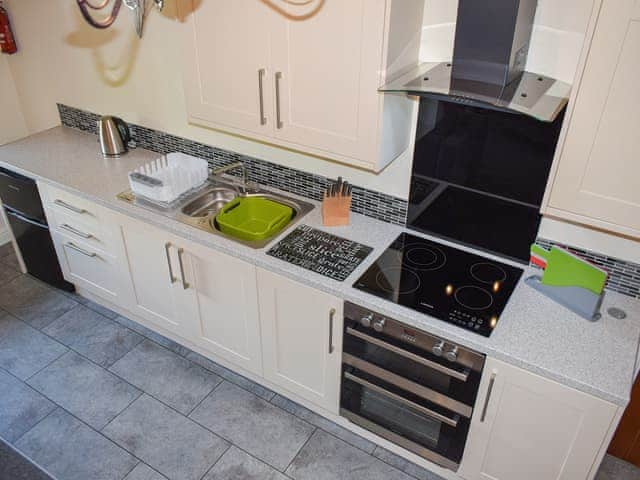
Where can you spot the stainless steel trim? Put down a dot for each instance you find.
(185, 285)
(261, 74)
(397, 439)
(73, 246)
(70, 229)
(332, 314)
(492, 381)
(25, 219)
(279, 123)
(407, 334)
(427, 411)
(401, 382)
(64, 204)
(167, 246)
(411, 356)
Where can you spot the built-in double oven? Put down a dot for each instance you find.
(407, 386)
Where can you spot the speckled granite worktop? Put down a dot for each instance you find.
(534, 333)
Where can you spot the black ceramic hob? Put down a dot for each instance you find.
(455, 286)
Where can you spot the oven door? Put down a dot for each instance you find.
(406, 394)
(407, 420)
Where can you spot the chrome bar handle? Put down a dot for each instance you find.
(75, 231)
(279, 123)
(72, 246)
(453, 422)
(167, 246)
(185, 285)
(332, 313)
(463, 376)
(64, 204)
(492, 381)
(261, 74)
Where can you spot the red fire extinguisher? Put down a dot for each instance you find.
(7, 40)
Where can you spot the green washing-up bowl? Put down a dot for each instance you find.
(253, 218)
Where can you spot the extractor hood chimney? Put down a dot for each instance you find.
(488, 66)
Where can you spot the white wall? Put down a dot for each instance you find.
(12, 124)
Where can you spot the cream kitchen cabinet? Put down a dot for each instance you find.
(301, 339)
(596, 180)
(531, 428)
(85, 237)
(305, 80)
(202, 295)
(156, 277)
(221, 298)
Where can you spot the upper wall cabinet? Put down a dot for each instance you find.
(306, 81)
(598, 169)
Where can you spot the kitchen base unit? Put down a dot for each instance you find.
(531, 428)
(293, 339)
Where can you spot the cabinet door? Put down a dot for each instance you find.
(227, 56)
(222, 294)
(328, 68)
(301, 339)
(598, 171)
(533, 428)
(151, 256)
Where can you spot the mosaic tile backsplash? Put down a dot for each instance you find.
(624, 277)
(367, 202)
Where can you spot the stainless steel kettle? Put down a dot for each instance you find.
(114, 135)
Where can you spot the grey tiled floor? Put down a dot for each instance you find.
(87, 394)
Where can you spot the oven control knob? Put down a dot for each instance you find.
(438, 349)
(366, 320)
(378, 325)
(452, 355)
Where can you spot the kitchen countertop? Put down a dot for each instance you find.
(533, 333)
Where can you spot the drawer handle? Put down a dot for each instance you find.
(463, 376)
(185, 285)
(492, 381)
(427, 411)
(332, 313)
(167, 246)
(64, 204)
(72, 246)
(70, 229)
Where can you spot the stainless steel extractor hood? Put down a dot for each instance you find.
(487, 70)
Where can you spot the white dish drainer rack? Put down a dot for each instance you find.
(168, 178)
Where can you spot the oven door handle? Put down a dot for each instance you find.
(405, 384)
(453, 422)
(463, 376)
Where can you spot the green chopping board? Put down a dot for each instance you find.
(565, 269)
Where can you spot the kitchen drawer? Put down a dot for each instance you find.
(77, 228)
(88, 267)
(84, 211)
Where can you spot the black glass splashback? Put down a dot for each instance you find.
(479, 175)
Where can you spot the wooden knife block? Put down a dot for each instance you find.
(336, 210)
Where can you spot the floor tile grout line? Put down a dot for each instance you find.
(293, 459)
(141, 392)
(56, 406)
(205, 397)
(231, 445)
(134, 467)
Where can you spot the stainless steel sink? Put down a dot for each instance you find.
(209, 203)
(200, 208)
